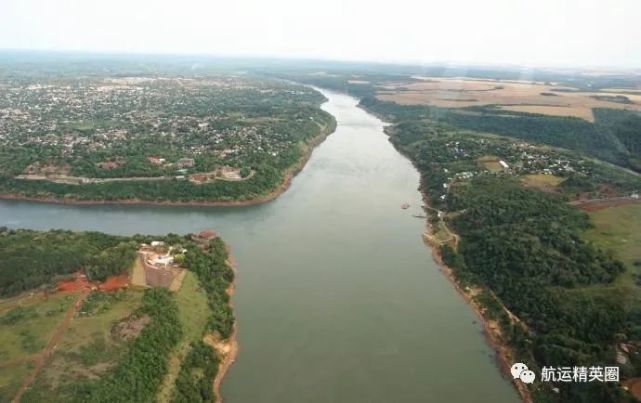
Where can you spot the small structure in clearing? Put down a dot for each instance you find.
(159, 266)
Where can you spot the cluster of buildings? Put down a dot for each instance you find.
(161, 263)
(198, 117)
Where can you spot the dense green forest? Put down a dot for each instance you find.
(32, 259)
(524, 246)
(194, 380)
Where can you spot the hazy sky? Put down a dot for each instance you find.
(533, 32)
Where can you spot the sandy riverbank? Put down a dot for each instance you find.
(289, 175)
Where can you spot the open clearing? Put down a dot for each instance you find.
(193, 312)
(517, 96)
(619, 229)
(542, 182)
(580, 112)
(491, 163)
(25, 330)
(60, 338)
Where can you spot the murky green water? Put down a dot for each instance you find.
(338, 299)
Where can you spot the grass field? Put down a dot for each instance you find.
(491, 163)
(193, 312)
(86, 349)
(26, 329)
(541, 181)
(618, 229)
(11, 378)
(553, 110)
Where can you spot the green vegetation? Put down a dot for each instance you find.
(32, 259)
(525, 248)
(26, 328)
(193, 313)
(122, 346)
(618, 228)
(194, 383)
(610, 138)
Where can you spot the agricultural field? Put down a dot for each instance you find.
(517, 96)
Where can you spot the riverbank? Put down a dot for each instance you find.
(228, 348)
(491, 328)
(288, 176)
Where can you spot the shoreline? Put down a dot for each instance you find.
(232, 342)
(289, 175)
(491, 329)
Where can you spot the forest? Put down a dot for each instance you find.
(610, 138)
(525, 247)
(33, 259)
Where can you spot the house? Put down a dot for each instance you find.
(504, 164)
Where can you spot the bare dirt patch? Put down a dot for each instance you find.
(137, 277)
(634, 387)
(601, 204)
(178, 281)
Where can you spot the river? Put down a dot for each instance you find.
(338, 299)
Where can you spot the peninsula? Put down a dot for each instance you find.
(93, 317)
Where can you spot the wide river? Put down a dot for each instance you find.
(338, 299)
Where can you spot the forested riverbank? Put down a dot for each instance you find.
(521, 252)
(498, 187)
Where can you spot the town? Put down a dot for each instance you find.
(81, 131)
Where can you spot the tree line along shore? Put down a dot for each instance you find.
(502, 211)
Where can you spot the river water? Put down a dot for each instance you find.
(338, 299)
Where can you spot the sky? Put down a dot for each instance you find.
(568, 33)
